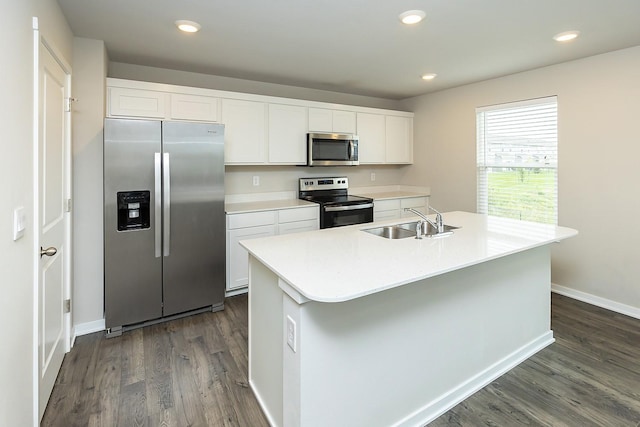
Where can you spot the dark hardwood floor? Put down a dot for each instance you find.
(193, 372)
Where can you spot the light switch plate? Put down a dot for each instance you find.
(291, 333)
(19, 223)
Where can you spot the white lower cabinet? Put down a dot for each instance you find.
(386, 209)
(420, 204)
(394, 208)
(238, 258)
(252, 225)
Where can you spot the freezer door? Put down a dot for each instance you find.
(132, 271)
(194, 218)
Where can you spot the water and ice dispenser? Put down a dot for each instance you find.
(133, 210)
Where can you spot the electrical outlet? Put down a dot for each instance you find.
(291, 333)
(256, 180)
(373, 176)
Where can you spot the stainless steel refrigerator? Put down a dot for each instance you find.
(164, 220)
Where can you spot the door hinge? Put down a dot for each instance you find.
(68, 101)
(68, 205)
(67, 306)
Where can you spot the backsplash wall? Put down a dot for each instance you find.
(239, 179)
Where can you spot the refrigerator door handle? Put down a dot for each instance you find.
(166, 170)
(157, 167)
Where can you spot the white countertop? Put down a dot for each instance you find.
(344, 263)
(265, 205)
(397, 194)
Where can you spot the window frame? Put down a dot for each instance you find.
(503, 129)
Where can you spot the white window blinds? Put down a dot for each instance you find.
(518, 160)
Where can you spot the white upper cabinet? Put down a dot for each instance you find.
(194, 107)
(327, 120)
(245, 131)
(385, 139)
(399, 136)
(267, 130)
(128, 102)
(287, 134)
(371, 131)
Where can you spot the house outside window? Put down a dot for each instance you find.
(517, 160)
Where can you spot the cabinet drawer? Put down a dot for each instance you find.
(299, 214)
(384, 215)
(194, 107)
(386, 205)
(414, 202)
(298, 226)
(252, 219)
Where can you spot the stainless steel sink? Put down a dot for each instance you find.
(431, 231)
(407, 229)
(391, 232)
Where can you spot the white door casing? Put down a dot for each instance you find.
(51, 216)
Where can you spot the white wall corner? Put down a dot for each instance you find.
(608, 304)
(88, 328)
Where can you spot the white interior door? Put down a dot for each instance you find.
(52, 220)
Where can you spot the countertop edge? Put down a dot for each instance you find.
(562, 234)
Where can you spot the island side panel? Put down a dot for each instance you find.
(265, 340)
(406, 355)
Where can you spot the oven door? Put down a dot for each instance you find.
(338, 215)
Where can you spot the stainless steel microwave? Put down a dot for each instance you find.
(332, 149)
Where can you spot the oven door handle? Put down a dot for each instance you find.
(348, 207)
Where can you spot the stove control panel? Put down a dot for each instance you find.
(312, 184)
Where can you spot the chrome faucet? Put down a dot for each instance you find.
(439, 220)
(421, 225)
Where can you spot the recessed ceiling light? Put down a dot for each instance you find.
(188, 26)
(412, 16)
(429, 76)
(566, 36)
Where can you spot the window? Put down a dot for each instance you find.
(518, 160)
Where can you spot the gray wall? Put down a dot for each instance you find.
(90, 69)
(598, 111)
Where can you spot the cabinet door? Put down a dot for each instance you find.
(417, 203)
(344, 121)
(238, 257)
(299, 214)
(336, 121)
(384, 215)
(298, 226)
(194, 107)
(287, 134)
(136, 103)
(399, 136)
(320, 120)
(244, 132)
(371, 131)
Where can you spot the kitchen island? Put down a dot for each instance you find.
(351, 329)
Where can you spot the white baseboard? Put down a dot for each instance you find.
(597, 301)
(88, 328)
(439, 406)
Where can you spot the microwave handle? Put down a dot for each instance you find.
(351, 151)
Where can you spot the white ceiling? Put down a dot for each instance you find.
(355, 46)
